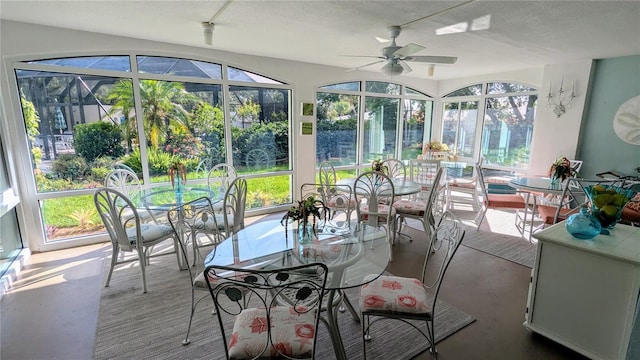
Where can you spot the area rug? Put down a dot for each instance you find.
(134, 325)
(512, 248)
(508, 247)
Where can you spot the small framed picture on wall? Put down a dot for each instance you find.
(307, 109)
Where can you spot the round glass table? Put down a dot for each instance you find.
(350, 254)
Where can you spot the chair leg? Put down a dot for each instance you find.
(142, 258)
(352, 310)
(482, 216)
(114, 259)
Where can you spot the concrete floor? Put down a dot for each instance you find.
(51, 312)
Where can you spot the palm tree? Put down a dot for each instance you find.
(162, 105)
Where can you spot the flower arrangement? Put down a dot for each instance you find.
(308, 207)
(561, 169)
(177, 169)
(378, 165)
(435, 146)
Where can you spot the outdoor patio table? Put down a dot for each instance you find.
(533, 185)
(350, 255)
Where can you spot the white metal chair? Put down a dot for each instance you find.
(406, 299)
(395, 168)
(225, 222)
(423, 172)
(510, 201)
(464, 190)
(334, 195)
(336, 198)
(218, 180)
(129, 234)
(187, 222)
(423, 210)
(374, 192)
(127, 182)
(245, 297)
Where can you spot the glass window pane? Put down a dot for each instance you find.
(10, 241)
(4, 176)
(459, 127)
(348, 86)
(76, 127)
(468, 91)
(382, 87)
(417, 118)
(182, 122)
(410, 91)
(70, 216)
(268, 191)
(119, 63)
(336, 128)
(501, 88)
(243, 75)
(507, 130)
(178, 67)
(380, 124)
(260, 128)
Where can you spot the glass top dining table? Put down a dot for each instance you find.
(401, 187)
(350, 254)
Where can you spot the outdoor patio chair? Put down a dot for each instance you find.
(424, 211)
(129, 234)
(374, 192)
(127, 182)
(406, 299)
(509, 199)
(219, 178)
(187, 221)
(395, 168)
(255, 323)
(226, 221)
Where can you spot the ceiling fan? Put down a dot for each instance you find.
(396, 57)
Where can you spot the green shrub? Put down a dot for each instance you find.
(70, 167)
(98, 139)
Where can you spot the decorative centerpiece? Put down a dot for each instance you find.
(177, 175)
(309, 207)
(435, 150)
(378, 165)
(607, 202)
(559, 171)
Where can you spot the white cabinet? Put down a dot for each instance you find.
(584, 293)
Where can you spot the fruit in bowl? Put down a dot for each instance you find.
(607, 202)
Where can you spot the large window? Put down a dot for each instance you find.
(393, 122)
(506, 123)
(82, 123)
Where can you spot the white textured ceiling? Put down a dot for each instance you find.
(522, 34)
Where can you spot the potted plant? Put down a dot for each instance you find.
(378, 165)
(177, 174)
(561, 169)
(309, 207)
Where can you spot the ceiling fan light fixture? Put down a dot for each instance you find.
(392, 68)
(208, 32)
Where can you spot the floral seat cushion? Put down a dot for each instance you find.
(415, 208)
(383, 209)
(208, 223)
(292, 333)
(394, 294)
(341, 202)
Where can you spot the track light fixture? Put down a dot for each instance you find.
(208, 32)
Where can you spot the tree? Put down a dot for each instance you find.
(31, 123)
(94, 140)
(248, 109)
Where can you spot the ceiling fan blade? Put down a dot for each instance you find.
(408, 50)
(433, 59)
(365, 65)
(406, 68)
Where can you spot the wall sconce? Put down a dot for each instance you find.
(560, 101)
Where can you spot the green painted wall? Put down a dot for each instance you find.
(614, 81)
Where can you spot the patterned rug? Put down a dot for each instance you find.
(134, 325)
